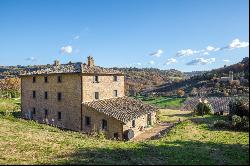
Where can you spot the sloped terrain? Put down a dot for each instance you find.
(190, 142)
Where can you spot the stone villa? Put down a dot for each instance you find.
(83, 97)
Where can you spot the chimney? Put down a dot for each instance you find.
(56, 63)
(91, 61)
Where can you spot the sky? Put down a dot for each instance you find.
(187, 35)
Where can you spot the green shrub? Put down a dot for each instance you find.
(239, 107)
(203, 108)
(236, 120)
(98, 134)
(240, 123)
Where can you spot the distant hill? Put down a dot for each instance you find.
(209, 82)
(166, 82)
(139, 79)
(136, 80)
(241, 67)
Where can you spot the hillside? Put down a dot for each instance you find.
(167, 82)
(135, 79)
(190, 142)
(209, 82)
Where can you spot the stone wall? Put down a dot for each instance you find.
(140, 124)
(69, 106)
(71, 102)
(105, 87)
(113, 125)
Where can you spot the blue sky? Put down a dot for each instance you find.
(182, 34)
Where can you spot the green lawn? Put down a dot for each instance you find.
(194, 141)
(164, 102)
(167, 115)
(8, 106)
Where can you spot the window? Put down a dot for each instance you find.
(45, 95)
(96, 95)
(46, 113)
(149, 122)
(59, 96)
(104, 124)
(59, 79)
(59, 116)
(34, 79)
(34, 94)
(45, 79)
(96, 79)
(115, 78)
(34, 111)
(115, 93)
(87, 121)
(133, 123)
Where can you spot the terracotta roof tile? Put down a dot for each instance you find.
(122, 108)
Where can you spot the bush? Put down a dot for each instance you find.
(203, 109)
(239, 107)
(236, 120)
(240, 123)
(221, 124)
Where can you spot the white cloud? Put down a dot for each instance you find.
(226, 60)
(187, 52)
(151, 62)
(201, 61)
(31, 59)
(157, 53)
(236, 43)
(205, 53)
(210, 48)
(66, 50)
(77, 37)
(170, 61)
(139, 64)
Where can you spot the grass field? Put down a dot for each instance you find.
(167, 115)
(164, 102)
(194, 141)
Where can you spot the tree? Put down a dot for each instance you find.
(194, 91)
(235, 83)
(10, 87)
(217, 85)
(180, 92)
(225, 93)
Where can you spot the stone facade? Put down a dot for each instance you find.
(69, 105)
(65, 107)
(105, 87)
(113, 125)
(141, 123)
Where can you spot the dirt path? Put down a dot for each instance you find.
(154, 132)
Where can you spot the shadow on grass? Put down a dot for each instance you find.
(208, 122)
(15, 114)
(180, 115)
(207, 119)
(178, 152)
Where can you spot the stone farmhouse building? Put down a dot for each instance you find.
(83, 97)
